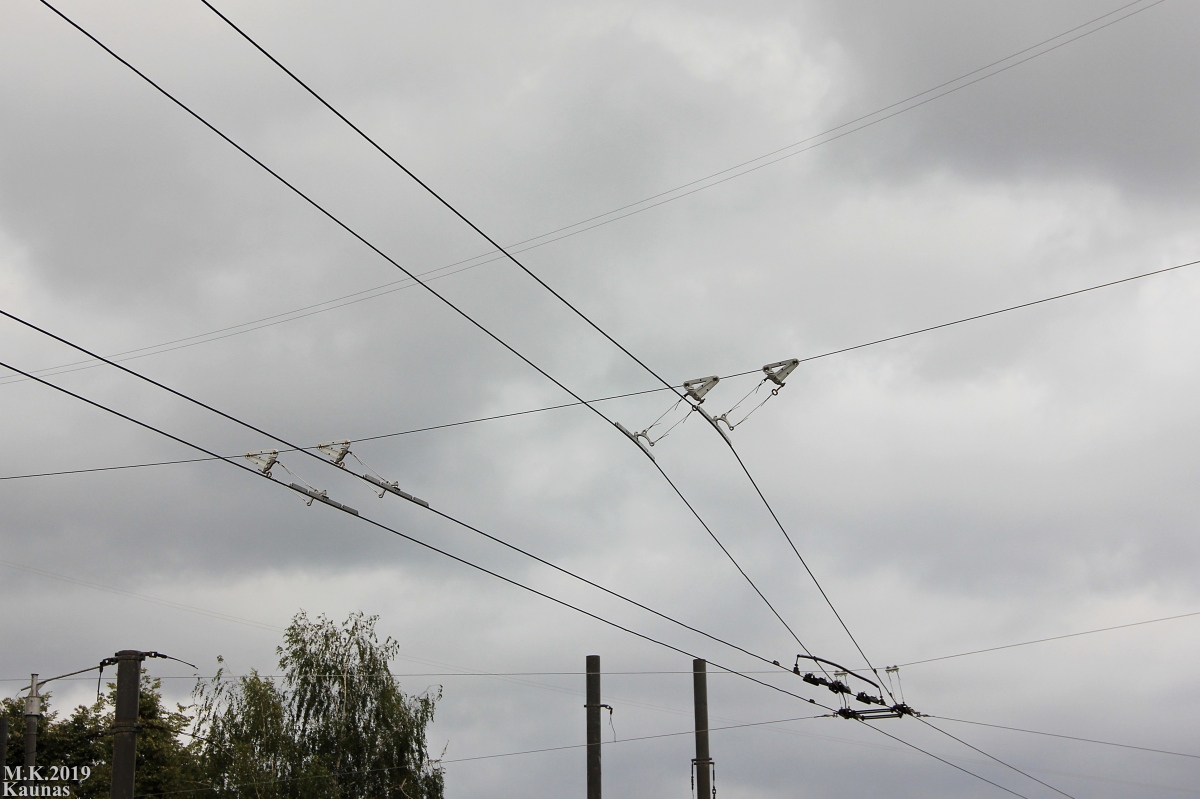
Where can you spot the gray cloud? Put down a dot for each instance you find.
(1011, 479)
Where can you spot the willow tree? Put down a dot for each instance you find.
(335, 724)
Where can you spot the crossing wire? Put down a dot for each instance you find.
(446, 301)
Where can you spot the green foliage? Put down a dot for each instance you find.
(338, 726)
(164, 764)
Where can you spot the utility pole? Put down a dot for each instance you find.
(125, 721)
(593, 727)
(33, 712)
(703, 762)
(3, 741)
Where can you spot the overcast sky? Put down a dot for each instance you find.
(1019, 477)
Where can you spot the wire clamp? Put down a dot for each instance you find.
(635, 439)
(336, 451)
(264, 460)
(713, 422)
(320, 496)
(696, 389)
(387, 487)
(777, 372)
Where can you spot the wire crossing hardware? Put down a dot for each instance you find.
(777, 372)
(336, 451)
(696, 389)
(264, 460)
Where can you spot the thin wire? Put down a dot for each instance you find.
(328, 214)
(434, 511)
(1054, 638)
(993, 757)
(411, 539)
(736, 405)
(649, 391)
(1070, 737)
(638, 738)
(943, 760)
(352, 440)
(682, 419)
(491, 757)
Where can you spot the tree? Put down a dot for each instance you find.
(338, 725)
(164, 763)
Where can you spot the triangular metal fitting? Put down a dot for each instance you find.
(264, 460)
(336, 451)
(777, 372)
(696, 389)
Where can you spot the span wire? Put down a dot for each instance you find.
(481, 757)
(993, 757)
(446, 301)
(1053, 638)
(943, 760)
(634, 394)
(1070, 738)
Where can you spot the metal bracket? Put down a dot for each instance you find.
(393, 488)
(264, 460)
(636, 440)
(777, 372)
(336, 451)
(696, 389)
(894, 712)
(713, 422)
(320, 496)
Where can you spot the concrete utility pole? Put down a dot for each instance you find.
(125, 721)
(703, 761)
(33, 712)
(593, 727)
